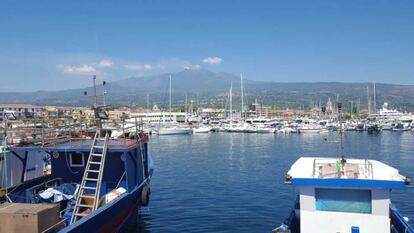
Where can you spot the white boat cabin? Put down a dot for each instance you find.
(344, 196)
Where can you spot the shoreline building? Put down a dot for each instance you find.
(20, 111)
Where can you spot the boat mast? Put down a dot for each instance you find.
(95, 105)
(170, 101)
(231, 101)
(186, 106)
(148, 102)
(369, 101)
(242, 96)
(375, 100)
(341, 134)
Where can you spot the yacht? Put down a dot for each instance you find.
(202, 129)
(386, 114)
(173, 130)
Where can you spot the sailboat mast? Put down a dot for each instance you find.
(231, 101)
(369, 101)
(170, 101)
(242, 96)
(375, 99)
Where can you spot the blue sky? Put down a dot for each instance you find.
(51, 45)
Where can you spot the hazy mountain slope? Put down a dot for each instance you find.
(211, 89)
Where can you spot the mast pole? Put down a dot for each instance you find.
(94, 91)
(170, 100)
(231, 101)
(375, 99)
(186, 106)
(95, 105)
(242, 96)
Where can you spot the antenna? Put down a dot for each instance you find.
(99, 111)
(104, 93)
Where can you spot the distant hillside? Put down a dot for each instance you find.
(210, 89)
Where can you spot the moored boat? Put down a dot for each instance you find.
(89, 196)
(338, 195)
(174, 130)
(201, 129)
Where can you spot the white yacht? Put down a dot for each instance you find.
(202, 129)
(173, 130)
(386, 114)
(310, 128)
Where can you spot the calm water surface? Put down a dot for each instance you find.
(223, 182)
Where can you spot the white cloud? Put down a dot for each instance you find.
(212, 60)
(192, 67)
(80, 70)
(105, 63)
(144, 66)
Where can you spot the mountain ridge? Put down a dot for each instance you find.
(210, 89)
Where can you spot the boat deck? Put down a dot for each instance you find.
(323, 168)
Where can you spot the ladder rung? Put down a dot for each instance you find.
(87, 196)
(88, 187)
(80, 215)
(86, 206)
(96, 171)
(93, 162)
(93, 154)
(99, 147)
(91, 179)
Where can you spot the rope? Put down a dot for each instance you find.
(119, 182)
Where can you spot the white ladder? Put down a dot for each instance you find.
(87, 199)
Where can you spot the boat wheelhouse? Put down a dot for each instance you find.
(338, 195)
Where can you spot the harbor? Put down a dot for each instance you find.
(57, 155)
(235, 182)
(207, 116)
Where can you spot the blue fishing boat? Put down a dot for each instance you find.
(92, 197)
(74, 184)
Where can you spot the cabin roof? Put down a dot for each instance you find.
(114, 145)
(315, 171)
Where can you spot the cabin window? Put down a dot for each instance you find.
(76, 159)
(343, 200)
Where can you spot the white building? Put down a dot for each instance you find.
(160, 117)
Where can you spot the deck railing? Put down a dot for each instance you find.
(364, 168)
(46, 132)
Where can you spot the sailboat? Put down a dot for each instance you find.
(172, 128)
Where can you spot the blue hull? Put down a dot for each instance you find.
(111, 218)
(398, 223)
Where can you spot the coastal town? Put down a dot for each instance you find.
(257, 119)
